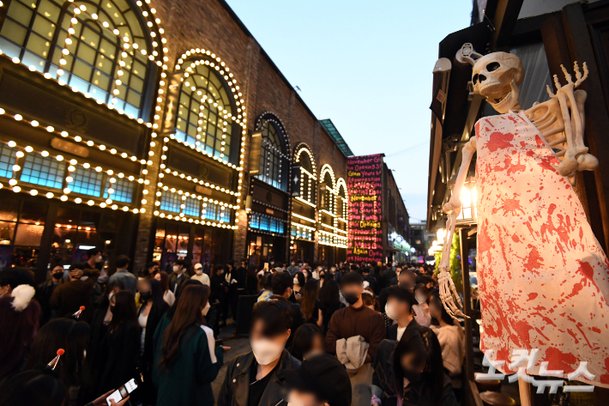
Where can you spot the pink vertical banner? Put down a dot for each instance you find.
(365, 185)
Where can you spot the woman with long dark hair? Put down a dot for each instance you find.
(329, 302)
(308, 341)
(419, 377)
(73, 337)
(168, 295)
(309, 302)
(116, 359)
(298, 288)
(186, 359)
(151, 310)
(452, 340)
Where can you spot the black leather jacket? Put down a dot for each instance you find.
(235, 389)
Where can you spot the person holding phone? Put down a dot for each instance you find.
(186, 359)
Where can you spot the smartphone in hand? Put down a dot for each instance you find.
(122, 392)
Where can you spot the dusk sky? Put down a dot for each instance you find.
(367, 66)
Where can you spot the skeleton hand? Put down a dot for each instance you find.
(448, 291)
(571, 104)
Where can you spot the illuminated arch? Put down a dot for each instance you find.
(306, 161)
(108, 50)
(327, 188)
(308, 178)
(327, 173)
(275, 154)
(209, 115)
(341, 187)
(341, 198)
(225, 100)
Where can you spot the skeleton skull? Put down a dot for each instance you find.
(496, 77)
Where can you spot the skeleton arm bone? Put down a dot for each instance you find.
(448, 292)
(571, 102)
(467, 154)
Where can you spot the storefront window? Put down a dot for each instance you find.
(266, 223)
(21, 228)
(172, 241)
(76, 231)
(99, 47)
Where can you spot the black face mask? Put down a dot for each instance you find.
(351, 298)
(57, 275)
(145, 295)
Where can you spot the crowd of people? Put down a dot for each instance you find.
(319, 336)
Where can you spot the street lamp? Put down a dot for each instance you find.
(469, 200)
(466, 220)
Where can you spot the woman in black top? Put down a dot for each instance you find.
(152, 309)
(329, 302)
(309, 306)
(116, 359)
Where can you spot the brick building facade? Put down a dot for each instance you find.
(160, 131)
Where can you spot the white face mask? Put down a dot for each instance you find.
(266, 351)
(206, 309)
(420, 298)
(198, 271)
(390, 312)
(295, 281)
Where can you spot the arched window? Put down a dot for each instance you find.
(304, 159)
(341, 199)
(100, 48)
(204, 118)
(327, 189)
(273, 160)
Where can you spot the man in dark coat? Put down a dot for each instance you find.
(259, 377)
(73, 293)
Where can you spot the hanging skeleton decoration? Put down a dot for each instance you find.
(543, 277)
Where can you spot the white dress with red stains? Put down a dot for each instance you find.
(543, 277)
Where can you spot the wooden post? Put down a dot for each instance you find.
(467, 303)
(524, 388)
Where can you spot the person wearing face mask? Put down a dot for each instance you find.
(414, 374)
(73, 293)
(320, 381)
(186, 359)
(44, 292)
(151, 310)
(421, 309)
(200, 275)
(258, 377)
(398, 308)
(298, 285)
(95, 259)
(351, 322)
(178, 275)
(283, 289)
